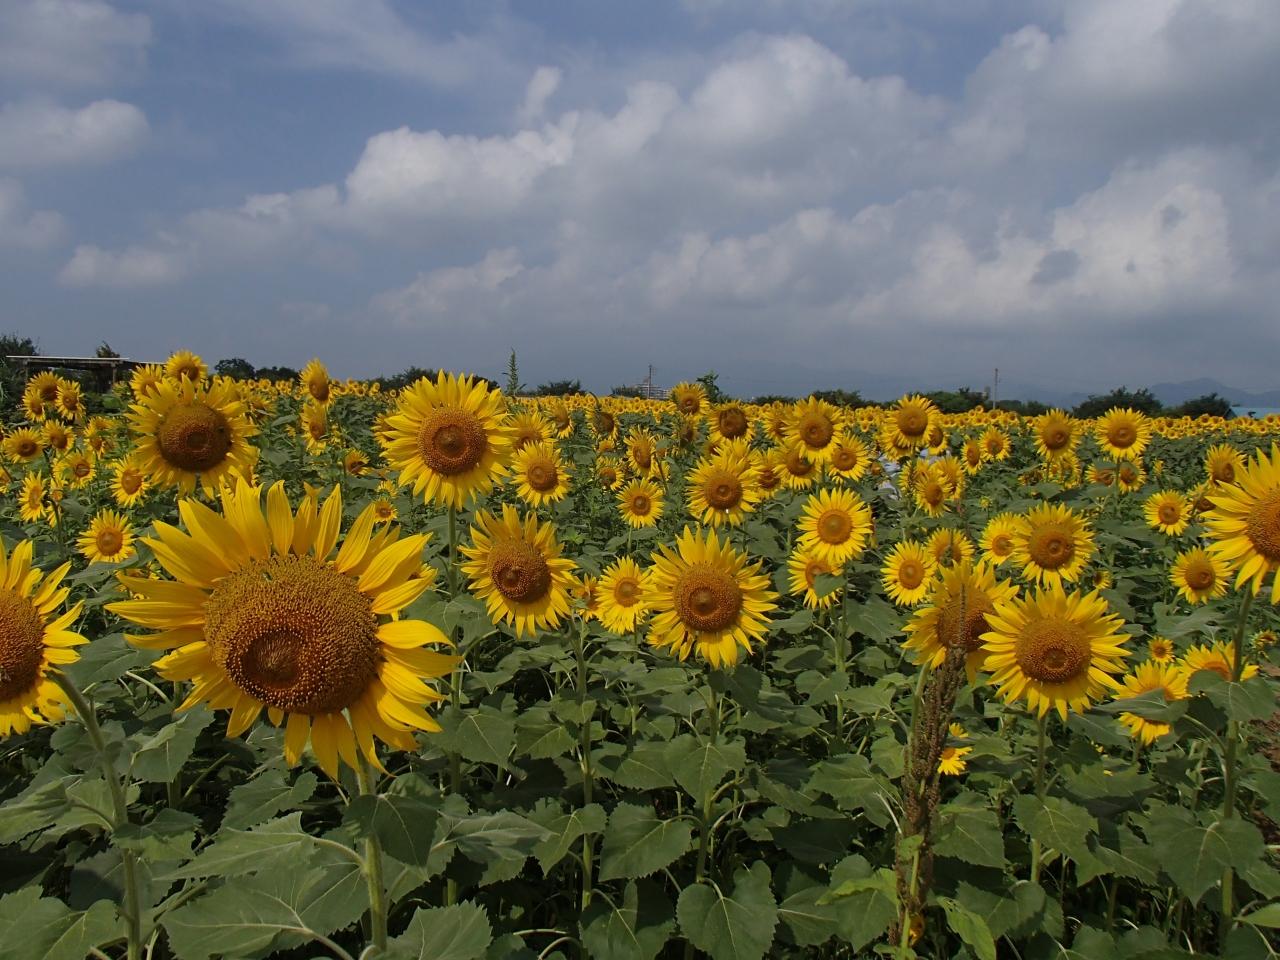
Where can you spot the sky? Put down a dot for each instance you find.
(798, 194)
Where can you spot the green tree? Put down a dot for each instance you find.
(841, 398)
(1142, 400)
(12, 381)
(1209, 405)
(514, 386)
(560, 388)
(237, 368)
(709, 384)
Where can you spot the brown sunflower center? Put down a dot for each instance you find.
(194, 437)
(1169, 514)
(844, 458)
(972, 455)
(130, 481)
(910, 574)
(319, 389)
(1002, 544)
(834, 526)
(1128, 473)
(1055, 437)
(542, 476)
(294, 634)
(1199, 574)
(452, 441)
(626, 592)
(21, 645)
(707, 599)
(1122, 435)
(816, 430)
(519, 571)
(1051, 547)
(798, 465)
(608, 476)
(767, 478)
(732, 423)
(1263, 525)
(1053, 651)
(964, 623)
(640, 505)
(109, 541)
(27, 447)
(81, 469)
(932, 493)
(912, 422)
(603, 422)
(723, 492)
(1224, 472)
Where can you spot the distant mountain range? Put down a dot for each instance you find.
(1172, 394)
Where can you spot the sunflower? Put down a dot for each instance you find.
(931, 490)
(960, 600)
(1053, 544)
(642, 448)
(32, 506)
(33, 641)
(805, 567)
(907, 572)
(611, 472)
(640, 502)
(689, 398)
(999, 537)
(354, 462)
(730, 421)
(540, 474)
(620, 596)
(314, 379)
(145, 380)
(109, 538)
(261, 613)
(448, 438)
(1056, 434)
(1054, 649)
(516, 569)
(24, 445)
(798, 471)
(76, 470)
(721, 490)
(1244, 524)
(1102, 474)
(995, 443)
(313, 424)
(57, 436)
(529, 426)
(561, 418)
(1123, 433)
(384, 511)
(188, 432)
(45, 386)
(33, 405)
(769, 471)
(1147, 678)
(129, 482)
(949, 547)
(1131, 476)
(586, 596)
(707, 598)
(1167, 511)
(71, 400)
(835, 525)
(1221, 462)
(185, 365)
(1264, 640)
(951, 762)
(910, 421)
(1218, 658)
(971, 455)
(813, 425)
(1160, 650)
(604, 423)
(850, 458)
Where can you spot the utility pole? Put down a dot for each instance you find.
(995, 390)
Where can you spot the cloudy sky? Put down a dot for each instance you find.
(795, 193)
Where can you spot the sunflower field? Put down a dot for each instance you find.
(311, 669)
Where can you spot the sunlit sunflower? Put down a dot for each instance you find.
(45, 386)
(949, 546)
(1216, 657)
(314, 379)
(1123, 433)
(1221, 462)
(730, 421)
(516, 568)
(931, 490)
(1199, 576)
(1147, 678)
(642, 448)
(528, 426)
(707, 599)
(689, 398)
(24, 445)
(620, 596)
(813, 425)
(1056, 434)
(722, 490)
(313, 425)
(1053, 544)
(145, 380)
(910, 420)
(804, 568)
(1160, 650)
(769, 471)
(185, 365)
(32, 505)
(960, 600)
(971, 455)
(951, 762)
(999, 537)
(1168, 512)
(129, 482)
(76, 469)
(1054, 649)
(835, 525)
(540, 474)
(907, 572)
(798, 471)
(561, 418)
(640, 502)
(189, 433)
(58, 436)
(1131, 476)
(1244, 524)
(611, 472)
(34, 641)
(1264, 639)
(850, 457)
(354, 462)
(109, 538)
(995, 443)
(586, 596)
(35, 406)
(384, 511)
(71, 401)
(449, 438)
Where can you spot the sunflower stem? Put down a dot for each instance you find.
(373, 868)
(1229, 770)
(580, 649)
(704, 812)
(120, 812)
(1041, 724)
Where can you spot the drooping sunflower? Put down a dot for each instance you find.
(1147, 678)
(961, 598)
(999, 537)
(1123, 433)
(1160, 650)
(188, 433)
(620, 596)
(835, 525)
(949, 546)
(689, 398)
(540, 474)
(129, 482)
(449, 438)
(516, 568)
(34, 640)
(1053, 544)
(354, 462)
(1168, 512)
(261, 614)
(561, 418)
(1218, 658)
(707, 598)
(910, 421)
(907, 572)
(24, 445)
(314, 379)
(804, 568)
(1221, 461)
(109, 538)
(722, 491)
(1056, 434)
(641, 503)
(813, 425)
(185, 365)
(1054, 649)
(1244, 524)
(32, 505)
(951, 762)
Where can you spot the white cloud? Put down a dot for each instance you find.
(542, 85)
(22, 227)
(440, 293)
(69, 43)
(36, 134)
(131, 267)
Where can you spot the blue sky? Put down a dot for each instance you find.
(879, 194)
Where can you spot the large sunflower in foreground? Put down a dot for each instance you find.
(1054, 649)
(707, 598)
(1053, 544)
(190, 433)
(835, 525)
(1148, 678)
(262, 614)
(961, 598)
(516, 569)
(449, 438)
(1244, 523)
(34, 640)
(1123, 433)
